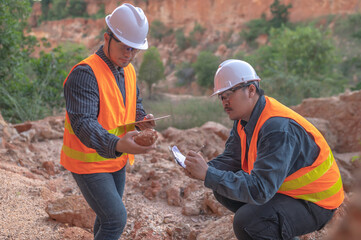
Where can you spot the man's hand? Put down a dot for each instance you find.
(126, 144)
(145, 125)
(196, 166)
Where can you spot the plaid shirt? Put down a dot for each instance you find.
(82, 104)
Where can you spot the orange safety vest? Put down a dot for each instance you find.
(319, 183)
(78, 158)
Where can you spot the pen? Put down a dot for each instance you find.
(200, 149)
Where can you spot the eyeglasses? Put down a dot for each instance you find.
(123, 47)
(227, 94)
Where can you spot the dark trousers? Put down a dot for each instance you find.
(282, 217)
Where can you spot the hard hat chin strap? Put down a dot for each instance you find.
(110, 38)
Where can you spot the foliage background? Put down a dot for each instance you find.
(30, 88)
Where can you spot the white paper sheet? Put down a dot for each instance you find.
(178, 156)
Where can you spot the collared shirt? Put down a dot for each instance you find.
(283, 147)
(82, 104)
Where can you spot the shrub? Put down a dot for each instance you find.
(351, 69)
(100, 13)
(257, 27)
(185, 42)
(298, 64)
(185, 73)
(77, 8)
(158, 30)
(279, 13)
(60, 9)
(349, 28)
(15, 47)
(40, 93)
(196, 34)
(181, 40)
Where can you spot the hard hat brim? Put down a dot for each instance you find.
(140, 46)
(231, 86)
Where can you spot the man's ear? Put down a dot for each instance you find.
(106, 36)
(252, 90)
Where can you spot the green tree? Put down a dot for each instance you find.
(205, 67)
(152, 69)
(299, 64)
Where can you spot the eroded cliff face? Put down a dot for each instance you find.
(217, 16)
(228, 15)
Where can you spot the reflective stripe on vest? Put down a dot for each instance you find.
(93, 157)
(119, 131)
(78, 158)
(319, 183)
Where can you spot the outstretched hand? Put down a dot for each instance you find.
(196, 166)
(126, 144)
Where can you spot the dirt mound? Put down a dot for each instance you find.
(343, 115)
(40, 200)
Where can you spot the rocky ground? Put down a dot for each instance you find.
(40, 200)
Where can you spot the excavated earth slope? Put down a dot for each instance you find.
(40, 200)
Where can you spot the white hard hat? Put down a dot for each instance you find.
(232, 72)
(130, 25)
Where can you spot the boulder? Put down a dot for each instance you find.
(73, 210)
(343, 114)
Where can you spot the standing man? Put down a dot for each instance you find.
(277, 172)
(101, 95)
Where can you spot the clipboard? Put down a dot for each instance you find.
(146, 120)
